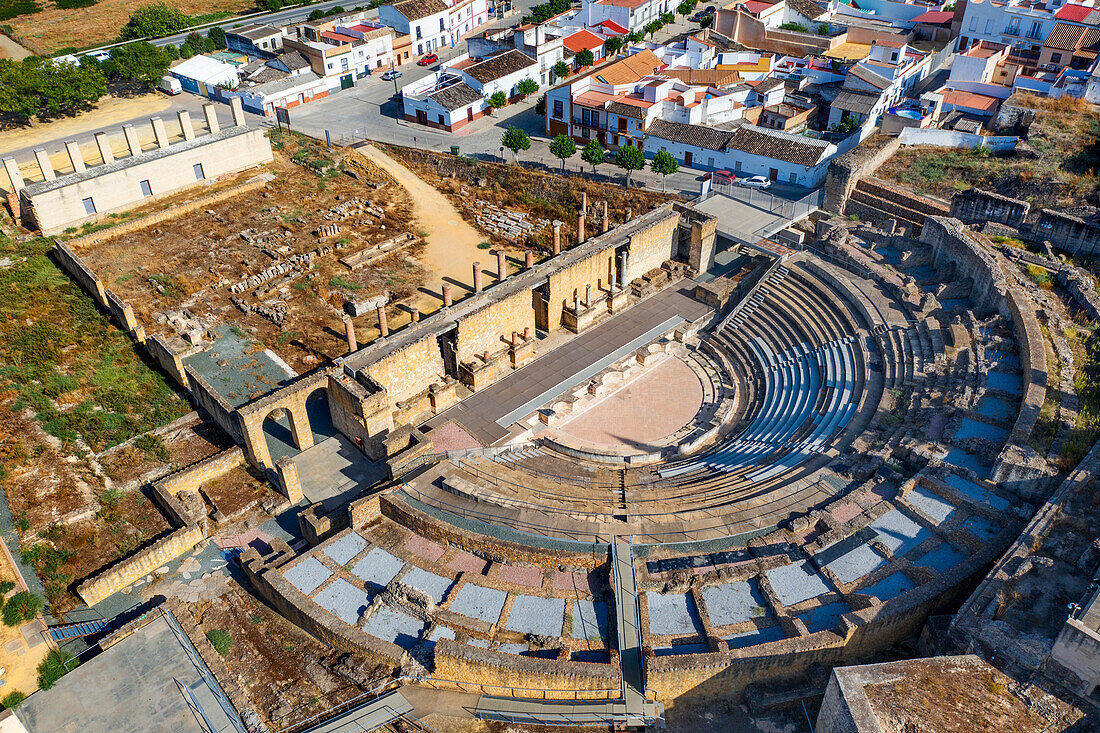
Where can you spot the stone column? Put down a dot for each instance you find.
(529, 259)
(614, 279)
(606, 221)
(577, 303)
(580, 218)
(629, 214)
(477, 277)
(415, 312)
(349, 333)
(557, 236)
(447, 297)
(622, 266)
(104, 146)
(383, 324)
(502, 265)
(587, 295)
(44, 164)
(14, 175)
(132, 141)
(75, 157)
(186, 128)
(159, 132)
(237, 109)
(289, 482)
(211, 113)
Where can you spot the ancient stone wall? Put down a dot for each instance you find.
(125, 573)
(208, 399)
(594, 271)
(649, 249)
(410, 370)
(846, 170)
(1068, 233)
(953, 244)
(291, 398)
(490, 328)
(1033, 361)
(168, 358)
(974, 206)
(195, 476)
(511, 674)
(72, 264)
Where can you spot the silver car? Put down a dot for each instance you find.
(755, 182)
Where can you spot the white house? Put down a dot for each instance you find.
(746, 150)
(434, 24)
(633, 15)
(1016, 23)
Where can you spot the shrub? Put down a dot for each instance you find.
(6, 586)
(796, 27)
(23, 606)
(153, 446)
(153, 21)
(221, 640)
(55, 666)
(13, 699)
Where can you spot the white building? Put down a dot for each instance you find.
(434, 24)
(633, 15)
(1023, 25)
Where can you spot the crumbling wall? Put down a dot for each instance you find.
(953, 244)
(1068, 233)
(127, 572)
(845, 171)
(594, 271)
(499, 671)
(409, 370)
(974, 206)
(652, 247)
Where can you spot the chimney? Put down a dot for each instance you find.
(186, 128)
(104, 146)
(132, 141)
(75, 157)
(238, 112)
(383, 325)
(557, 237)
(447, 298)
(349, 332)
(44, 164)
(14, 175)
(211, 113)
(159, 132)
(529, 259)
(502, 265)
(606, 221)
(477, 277)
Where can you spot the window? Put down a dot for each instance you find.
(199, 175)
(794, 178)
(442, 27)
(1036, 30)
(973, 24)
(584, 134)
(343, 64)
(441, 120)
(1013, 28)
(737, 166)
(418, 37)
(559, 109)
(89, 206)
(1055, 58)
(585, 117)
(330, 67)
(146, 189)
(894, 57)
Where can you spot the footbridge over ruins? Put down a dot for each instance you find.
(750, 216)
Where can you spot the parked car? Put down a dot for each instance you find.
(709, 9)
(170, 85)
(391, 75)
(755, 182)
(722, 177)
(699, 15)
(428, 60)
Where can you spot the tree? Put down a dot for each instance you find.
(652, 27)
(217, 35)
(630, 159)
(23, 606)
(317, 15)
(153, 21)
(593, 154)
(272, 6)
(515, 140)
(172, 49)
(44, 88)
(613, 45)
(685, 7)
(527, 86)
(667, 18)
(585, 57)
(540, 106)
(197, 42)
(563, 147)
(560, 69)
(707, 20)
(635, 37)
(664, 165)
(186, 51)
(54, 667)
(142, 62)
(498, 100)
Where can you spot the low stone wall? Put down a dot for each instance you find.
(1033, 361)
(208, 398)
(191, 479)
(125, 573)
(953, 244)
(974, 206)
(77, 270)
(168, 359)
(845, 171)
(499, 673)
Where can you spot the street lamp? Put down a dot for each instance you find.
(502, 154)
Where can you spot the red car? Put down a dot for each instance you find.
(428, 60)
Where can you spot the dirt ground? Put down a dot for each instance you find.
(191, 263)
(9, 49)
(20, 654)
(55, 28)
(286, 673)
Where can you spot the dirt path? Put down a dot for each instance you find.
(452, 243)
(9, 49)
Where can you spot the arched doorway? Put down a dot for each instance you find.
(319, 416)
(278, 434)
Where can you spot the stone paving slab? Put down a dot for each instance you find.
(477, 601)
(856, 563)
(378, 567)
(308, 575)
(572, 581)
(343, 600)
(432, 584)
(394, 626)
(889, 587)
(425, 548)
(464, 562)
(672, 614)
(534, 615)
(733, 603)
(943, 558)
(824, 617)
(796, 582)
(899, 532)
(931, 504)
(756, 636)
(590, 620)
(521, 575)
(343, 550)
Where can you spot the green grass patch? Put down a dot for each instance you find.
(56, 665)
(13, 700)
(14, 8)
(221, 640)
(154, 447)
(339, 282)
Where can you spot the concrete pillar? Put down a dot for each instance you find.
(44, 164)
(238, 112)
(159, 132)
(132, 141)
(415, 312)
(186, 128)
(14, 175)
(289, 480)
(104, 146)
(383, 324)
(557, 237)
(349, 333)
(75, 157)
(477, 277)
(606, 221)
(447, 297)
(529, 259)
(502, 265)
(210, 111)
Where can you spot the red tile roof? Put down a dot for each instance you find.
(1075, 13)
(935, 17)
(613, 27)
(582, 40)
(970, 100)
(756, 6)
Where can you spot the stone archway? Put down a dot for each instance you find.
(318, 416)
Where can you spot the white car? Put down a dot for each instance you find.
(754, 182)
